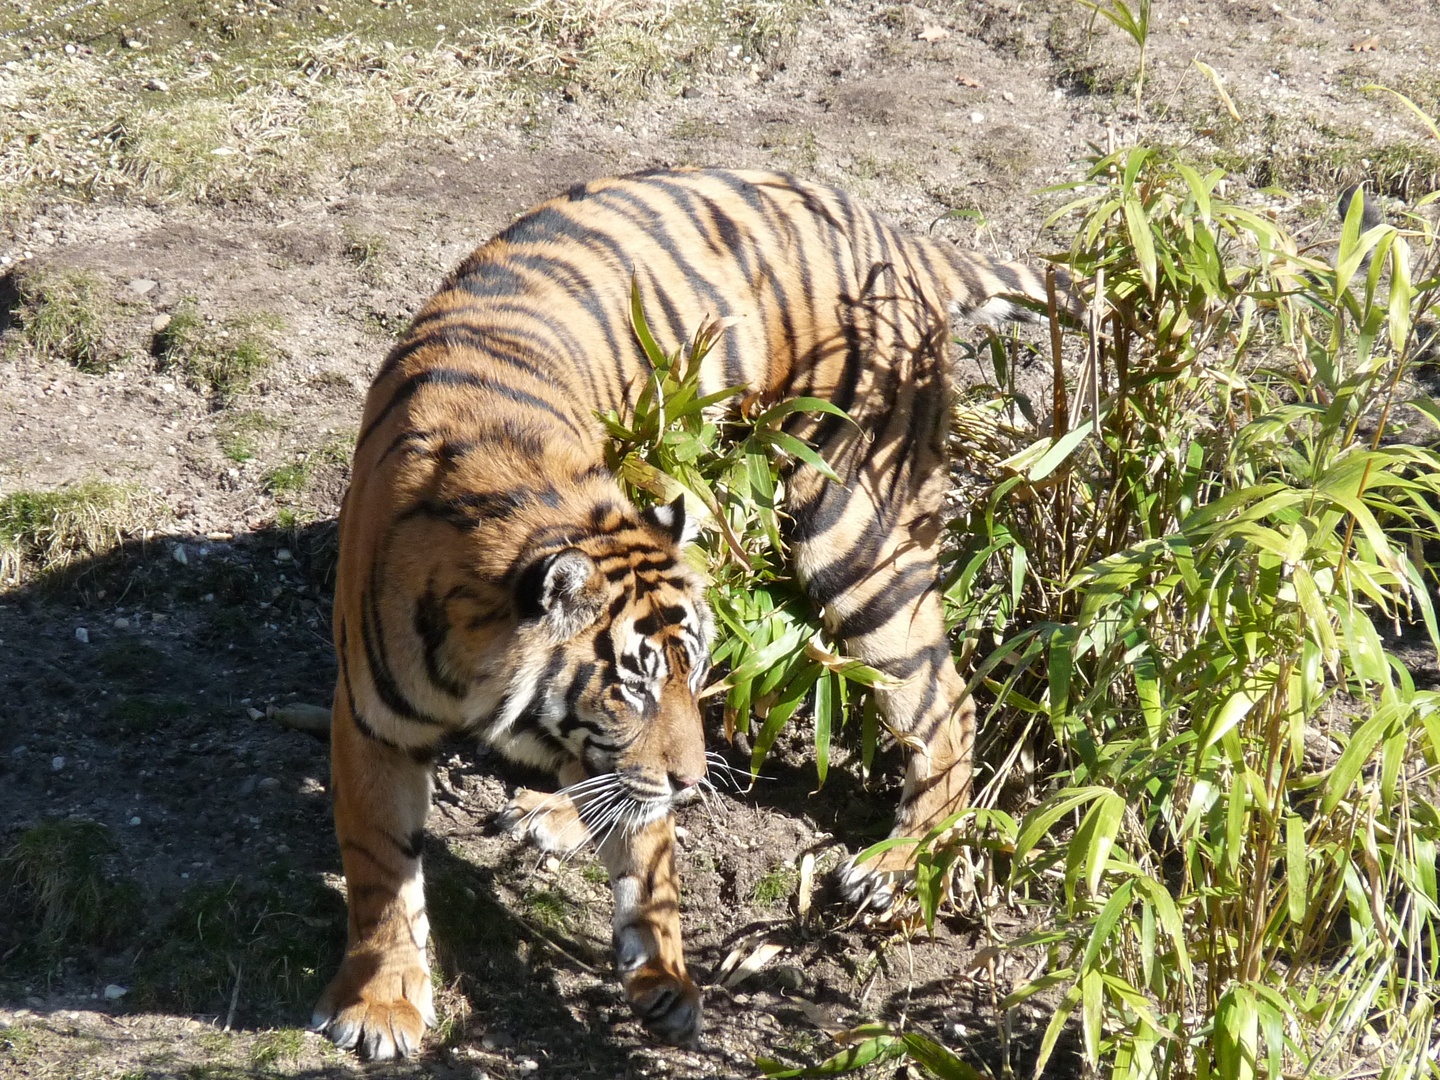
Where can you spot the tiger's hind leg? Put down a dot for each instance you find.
(648, 949)
(871, 562)
(380, 1000)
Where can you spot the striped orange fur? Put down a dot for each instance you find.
(494, 579)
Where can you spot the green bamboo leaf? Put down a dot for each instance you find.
(1057, 451)
(1356, 754)
(795, 448)
(1297, 868)
(1138, 227)
(852, 1058)
(1105, 923)
(1170, 920)
(647, 341)
(1055, 1027)
(940, 1061)
(824, 711)
(789, 406)
(1092, 1013)
(1237, 1035)
(1040, 820)
(1029, 989)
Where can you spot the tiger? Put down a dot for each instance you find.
(495, 582)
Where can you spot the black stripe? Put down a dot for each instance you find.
(361, 725)
(383, 679)
(905, 592)
(847, 570)
(450, 377)
(432, 624)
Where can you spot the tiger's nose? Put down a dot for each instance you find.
(683, 783)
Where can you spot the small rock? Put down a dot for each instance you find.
(552, 864)
(283, 555)
(977, 117)
(140, 286)
(297, 716)
(269, 784)
(82, 635)
(495, 1039)
(1008, 96)
(254, 713)
(134, 43)
(247, 786)
(115, 993)
(159, 323)
(134, 821)
(690, 92)
(178, 554)
(57, 762)
(681, 833)
(526, 1065)
(789, 976)
(158, 85)
(121, 624)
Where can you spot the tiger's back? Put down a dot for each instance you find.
(493, 578)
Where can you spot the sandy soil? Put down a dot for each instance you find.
(157, 724)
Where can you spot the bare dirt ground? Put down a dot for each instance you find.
(154, 721)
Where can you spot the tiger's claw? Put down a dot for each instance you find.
(382, 1016)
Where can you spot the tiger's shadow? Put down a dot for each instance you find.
(139, 693)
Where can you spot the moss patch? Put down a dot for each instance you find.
(65, 316)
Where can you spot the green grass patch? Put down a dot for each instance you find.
(146, 715)
(775, 886)
(42, 530)
(549, 907)
(364, 251)
(223, 358)
(238, 433)
(57, 871)
(18, 1043)
(285, 1044)
(265, 98)
(289, 479)
(65, 315)
(278, 941)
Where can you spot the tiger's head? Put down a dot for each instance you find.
(615, 643)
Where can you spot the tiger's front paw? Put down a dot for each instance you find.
(666, 1000)
(377, 1004)
(550, 822)
(667, 1003)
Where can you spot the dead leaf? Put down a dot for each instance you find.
(932, 33)
(983, 958)
(964, 80)
(822, 1017)
(763, 954)
(1369, 44)
(807, 883)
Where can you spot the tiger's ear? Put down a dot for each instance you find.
(671, 519)
(564, 590)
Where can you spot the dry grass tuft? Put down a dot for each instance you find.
(45, 530)
(225, 359)
(256, 112)
(64, 315)
(58, 867)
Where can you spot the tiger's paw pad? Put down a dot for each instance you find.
(550, 822)
(383, 1018)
